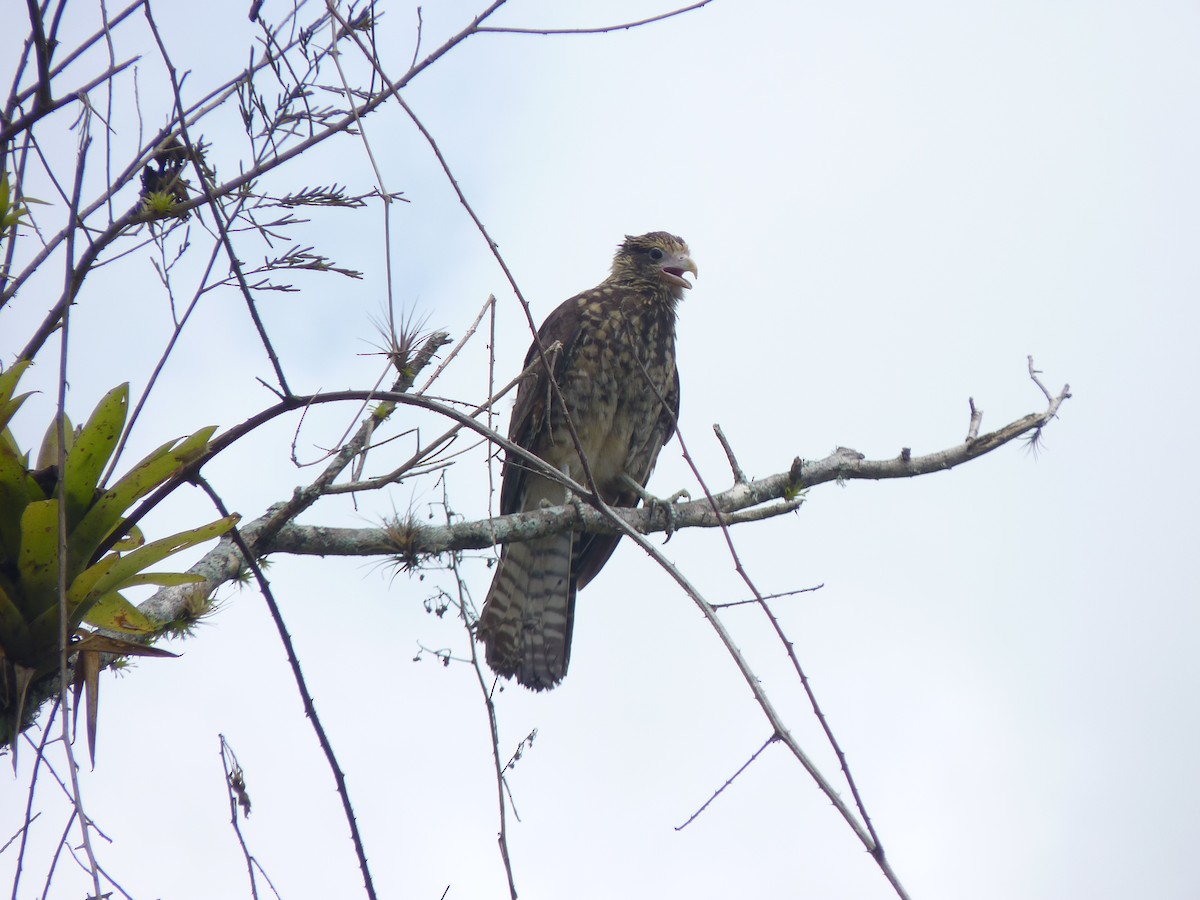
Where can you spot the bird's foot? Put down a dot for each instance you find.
(653, 502)
(570, 498)
(576, 501)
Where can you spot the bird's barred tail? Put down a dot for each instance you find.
(527, 617)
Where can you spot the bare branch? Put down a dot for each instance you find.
(1054, 401)
(756, 499)
(25, 122)
(755, 600)
(976, 420)
(603, 29)
(739, 476)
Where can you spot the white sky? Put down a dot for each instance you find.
(890, 205)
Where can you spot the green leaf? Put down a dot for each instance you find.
(11, 209)
(109, 508)
(132, 539)
(115, 613)
(83, 587)
(14, 630)
(194, 445)
(37, 561)
(8, 386)
(9, 378)
(48, 452)
(8, 444)
(17, 490)
(120, 574)
(91, 450)
(156, 469)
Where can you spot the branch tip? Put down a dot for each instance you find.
(739, 476)
(976, 420)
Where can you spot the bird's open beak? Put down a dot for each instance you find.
(677, 267)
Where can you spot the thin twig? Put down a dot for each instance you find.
(27, 121)
(29, 820)
(218, 213)
(469, 619)
(417, 46)
(603, 29)
(1054, 401)
(62, 842)
(755, 600)
(310, 708)
(422, 455)
(64, 617)
(489, 304)
(39, 757)
(41, 51)
(394, 89)
(717, 793)
(236, 789)
(869, 838)
(213, 100)
(84, 46)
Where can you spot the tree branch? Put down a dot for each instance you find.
(753, 500)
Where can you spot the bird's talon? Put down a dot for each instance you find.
(576, 501)
(666, 504)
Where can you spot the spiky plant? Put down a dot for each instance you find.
(103, 556)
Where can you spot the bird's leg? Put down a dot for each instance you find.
(666, 504)
(569, 496)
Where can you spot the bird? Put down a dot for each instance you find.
(611, 350)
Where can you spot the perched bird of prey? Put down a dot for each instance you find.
(616, 373)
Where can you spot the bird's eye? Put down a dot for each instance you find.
(656, 254)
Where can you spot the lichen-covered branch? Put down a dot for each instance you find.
(752, 500)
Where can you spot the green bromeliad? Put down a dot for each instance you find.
(48, 510)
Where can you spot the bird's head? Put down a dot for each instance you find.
(658, 259)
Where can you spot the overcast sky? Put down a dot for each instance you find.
(891, 206)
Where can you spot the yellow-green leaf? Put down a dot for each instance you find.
(37, 562)
(17, 490)
(125, 570)
(83, 587)
(194, 444)
(120, 573)
(8, 386)
(133, 539)
(115, 613)
(48, 452)
(91, 450)
(108, 509)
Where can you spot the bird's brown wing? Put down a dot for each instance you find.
(592, 551)
(534, 397)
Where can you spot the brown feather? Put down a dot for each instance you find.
(615, 368)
